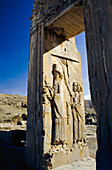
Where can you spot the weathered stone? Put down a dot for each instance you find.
(98, 27)
(85, 164)
(52, 23)
(55, 97)
(63, 106)
(59, 119)
(91, 140)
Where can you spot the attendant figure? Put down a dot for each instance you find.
(74, 112)
(58, 132)
(79, 89)
(47, 121)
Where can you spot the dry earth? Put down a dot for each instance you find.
(13, 109)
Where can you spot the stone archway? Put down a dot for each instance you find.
(52, 23)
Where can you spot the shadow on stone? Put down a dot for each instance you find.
(13, 150)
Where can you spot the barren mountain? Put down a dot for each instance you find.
(12, 107)
(13, 110)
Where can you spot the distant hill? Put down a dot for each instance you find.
(12, 107)
(90, 113)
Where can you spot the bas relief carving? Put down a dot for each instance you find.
(77, 117)
(58, 107)
(63, 110)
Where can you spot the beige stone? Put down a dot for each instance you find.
(52, 23)
(56, 121)
(64, 115)
(62, 118)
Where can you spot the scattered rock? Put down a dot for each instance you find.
(90, 114)
(10, 105)
(19, 123)
(24, 116)
(24, 105)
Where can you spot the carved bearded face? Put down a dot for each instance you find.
(56, 76)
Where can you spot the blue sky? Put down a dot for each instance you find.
(14, 47)
(81, 46)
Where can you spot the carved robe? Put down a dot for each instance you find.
(58, 108)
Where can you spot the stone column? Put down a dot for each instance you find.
(35, 84)
(98, 28)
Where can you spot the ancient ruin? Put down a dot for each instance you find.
(55, 94)
(63, 105)
(62, 116)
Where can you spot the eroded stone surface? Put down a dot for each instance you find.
(91, 139)
(98, 27)
(61, 109)
(63, 106)
(56, 121)
(85, 164)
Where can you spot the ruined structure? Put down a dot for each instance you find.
(63, 106)
(55, 97)
(62, 119)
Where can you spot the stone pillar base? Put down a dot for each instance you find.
(59, 156)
